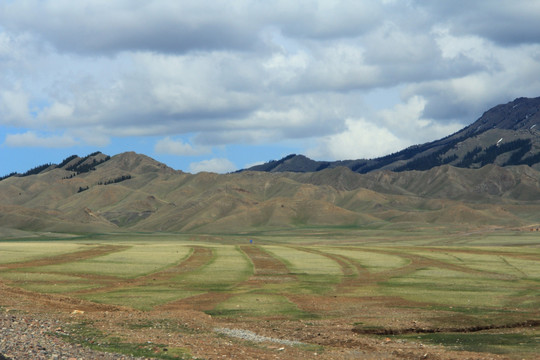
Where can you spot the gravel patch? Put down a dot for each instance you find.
(251, 336)
(23, 337)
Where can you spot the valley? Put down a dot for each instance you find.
(337, 294)
(428, 253)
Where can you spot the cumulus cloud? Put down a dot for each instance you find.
(178, 147)
(508, 23)
(394, 129)
(254, 72)
(57, 112)
(14, 107)
(361, 140)
(213, 165)
(90, 26)
(32, 139)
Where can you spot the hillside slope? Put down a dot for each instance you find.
(132, 192)
(505, 135)
(487, 174)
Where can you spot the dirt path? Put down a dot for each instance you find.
(199, 257)
(266, 268)
(202, 302)
(25, 299)
(263, 262)
(183, 324)
(354, 274)
(517, 255)
(68, 257)
(418, 262)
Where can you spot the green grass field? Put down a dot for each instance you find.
(137, 260)
(228, 267)
(372, 261)
(14, 252)
(437, 281)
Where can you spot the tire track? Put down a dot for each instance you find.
(418, 262)
(517, 255)
(352, 271)
(199, 257)
(67, 258)
(266, 268)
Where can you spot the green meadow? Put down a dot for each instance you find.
(366, 280)
(132, 262)
(19, 251)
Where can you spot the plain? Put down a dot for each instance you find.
(405, 286)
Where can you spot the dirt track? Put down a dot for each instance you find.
(183, 324)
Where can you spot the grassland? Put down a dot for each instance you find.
(427, 287)
(16, 251)
(131, 262)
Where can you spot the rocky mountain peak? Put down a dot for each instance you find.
(520, 114)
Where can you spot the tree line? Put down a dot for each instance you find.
(79, 167)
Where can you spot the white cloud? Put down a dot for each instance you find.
(31, 139)
(14, 107)
(506, 73)
(96, 136)
(178, 147)
(452, 46)
(162, 26)
(339, 67)
(407, 121)
(509, 23)
(57, 112)
(361, 140)
(213, 165)
(90, 26)
(388, 131)
(255, 72)
(14, 48)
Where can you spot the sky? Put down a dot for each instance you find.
(212, 85)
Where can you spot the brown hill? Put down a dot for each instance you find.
(132, 192)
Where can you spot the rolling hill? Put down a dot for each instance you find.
(485, 175)
(132, 192)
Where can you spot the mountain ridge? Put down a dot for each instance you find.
(153, 197)
(507, 134)
(133, 192)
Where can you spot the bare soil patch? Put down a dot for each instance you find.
(264, 263)
(266, 268)
(467, 329)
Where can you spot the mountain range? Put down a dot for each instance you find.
(504, 135)
(485, 175)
